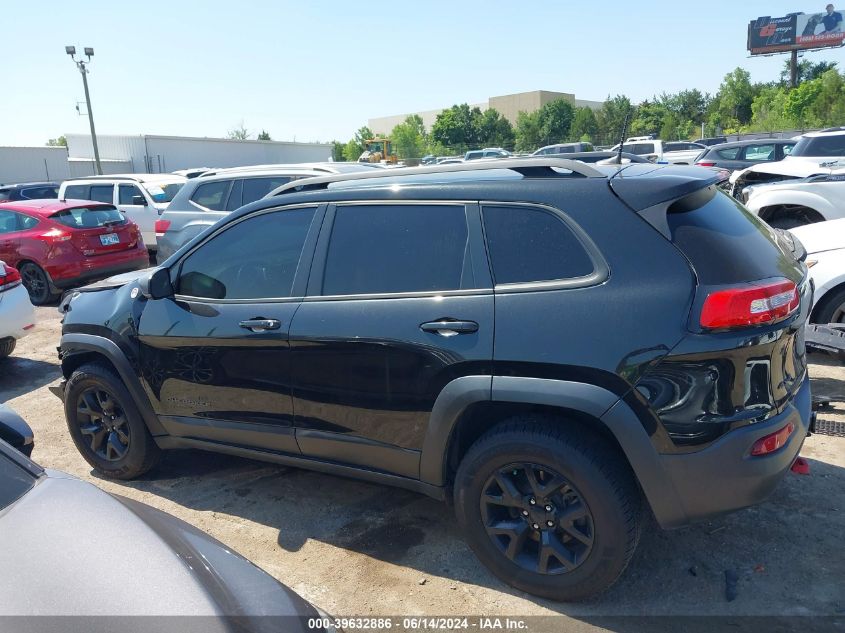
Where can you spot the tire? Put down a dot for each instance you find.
(599, 492)
(831, 309)
(7, 346)
(37, 284)
(114, 418)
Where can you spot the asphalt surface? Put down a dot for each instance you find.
(358, 549)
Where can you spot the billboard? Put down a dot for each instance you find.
(796, 31)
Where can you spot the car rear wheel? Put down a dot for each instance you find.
(548, 510)
(105, 424)
(37, 283)
(831, 309)
(7, 346)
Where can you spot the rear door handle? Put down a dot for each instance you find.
(449, 328)
(260, 325)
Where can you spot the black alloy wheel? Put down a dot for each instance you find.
(103, 424)
(36, 283)
(537, 518)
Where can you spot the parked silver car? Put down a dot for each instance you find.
(71, 549)
(204, 200)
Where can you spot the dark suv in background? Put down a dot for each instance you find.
(553, 346)
(29, 191)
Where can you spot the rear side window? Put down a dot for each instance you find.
(257, 188)
(89, 217)
(640, 149)
(212, 195)
(77, 192)
(396, 248)
(729, 153)
(101, 193)
(528, 244)
(761, 152)
(38, 193)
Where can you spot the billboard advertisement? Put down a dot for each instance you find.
(796, 31)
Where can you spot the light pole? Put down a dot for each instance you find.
(83, 69)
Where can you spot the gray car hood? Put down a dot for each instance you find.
(71, 549)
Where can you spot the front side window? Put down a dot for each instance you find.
(528, 244)
(102, 193)
(252, 259)
(212, 195)
(729, 153)
(126, 194)
(8, 222)
(163, 192)
(77, 192)
(787, 148)
(396, 248)
(257, 188)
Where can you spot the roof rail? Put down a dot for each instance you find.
(529, 168)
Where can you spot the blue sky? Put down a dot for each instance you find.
(311, 70)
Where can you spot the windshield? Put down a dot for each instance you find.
(822, 146)
(15, 482)
(89, 217)
(163, 192)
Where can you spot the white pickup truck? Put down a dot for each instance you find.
(671, 152)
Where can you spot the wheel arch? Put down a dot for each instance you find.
(591, 407)
(78, 349)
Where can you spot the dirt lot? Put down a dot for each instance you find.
(361, 549)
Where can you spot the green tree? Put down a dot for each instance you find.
(352, 151)
(337, 151)
(649, 119)
(584, 125)
(264, 136)
(409, 137)
(735, 96)
(555, 121)
(768, 110)
(494, 130)
(807, 71)
(57, 142)
(457, 128)
(528, 134)
(799, 103)
(828, 107)
(611, 117)
(239, 133)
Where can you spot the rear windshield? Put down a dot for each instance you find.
(724, 242)
(823, 146)
(163, 192)
(15, 482)
(89, 217)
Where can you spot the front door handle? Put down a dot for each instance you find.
(446, 327)
(260, 325)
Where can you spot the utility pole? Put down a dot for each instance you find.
(83, 69)
(793, 69)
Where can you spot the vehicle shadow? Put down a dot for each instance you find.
(776, 550)
(19, 375)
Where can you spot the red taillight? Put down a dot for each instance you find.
(56, 235)
(161, 227)
(750, 305)
(773, 441)
(706, 163)
(9, 278)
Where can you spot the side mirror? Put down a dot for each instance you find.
(139, 200)
(157, 285)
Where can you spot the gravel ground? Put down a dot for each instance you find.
(355, 548)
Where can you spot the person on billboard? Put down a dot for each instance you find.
(832, 20)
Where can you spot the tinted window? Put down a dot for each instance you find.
(386, 248)
(212, 195)
(8, 222)
(5, 194)
(675, 147)
(27, 222)
(235, 195)
(127, 192)
(255, 258)
(763, 152)
(15, 482)
(787, 148)
(38, 193)
(163, 192)
(77, 192)
(639, 149)
(820, 146)
(257, 188)
(527, 244)
(101, 193)
(89, 217)
(729, 153)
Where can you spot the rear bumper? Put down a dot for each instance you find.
(100, 267)
(725, 477)
(17, 316)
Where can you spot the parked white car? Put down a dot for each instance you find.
(657, 151)
(825, 246)
(141, 197)
(17, 316)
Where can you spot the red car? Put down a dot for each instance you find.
(58, 244)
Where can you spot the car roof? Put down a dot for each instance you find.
(49, 206)
(127, 177)
(752, 141)
(255, 173)
(826, 132)
(20, 185)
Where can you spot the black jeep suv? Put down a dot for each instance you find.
(553, 346)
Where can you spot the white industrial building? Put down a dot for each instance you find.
(148, 154)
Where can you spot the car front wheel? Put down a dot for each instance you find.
(548, 510)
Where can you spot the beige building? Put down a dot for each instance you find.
(508, 106)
